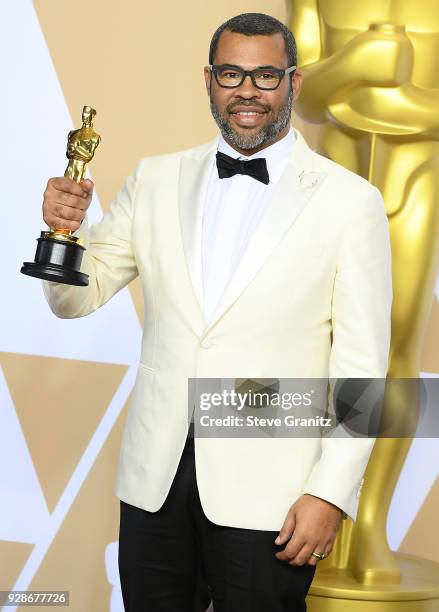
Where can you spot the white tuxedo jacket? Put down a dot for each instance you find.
(310, 298)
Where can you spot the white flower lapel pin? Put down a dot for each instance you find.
(309, 179)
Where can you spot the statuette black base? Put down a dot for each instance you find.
(57, 274)
(57, 260)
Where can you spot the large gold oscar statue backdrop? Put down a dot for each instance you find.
(371, 86)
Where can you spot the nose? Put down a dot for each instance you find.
(247, 89)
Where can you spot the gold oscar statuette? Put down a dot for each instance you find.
(371, 96)
(59, 253)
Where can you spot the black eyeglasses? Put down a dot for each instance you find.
(230, 76)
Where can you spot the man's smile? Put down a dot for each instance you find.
(247, 117)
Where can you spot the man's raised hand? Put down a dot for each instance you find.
(66, 202)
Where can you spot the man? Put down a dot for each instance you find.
(277, 267)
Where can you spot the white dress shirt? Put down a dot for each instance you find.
(232, 209)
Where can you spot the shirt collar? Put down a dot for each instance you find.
(276, 154)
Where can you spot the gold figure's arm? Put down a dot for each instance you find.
(381, 56)
(408, 109)
(305, 25)
(85, 147)
(79, 149)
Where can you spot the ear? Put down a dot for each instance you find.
(207, 78)
(297, 83)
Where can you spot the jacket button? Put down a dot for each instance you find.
(206, 343)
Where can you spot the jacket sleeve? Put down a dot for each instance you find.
(361, 324)
(108, 259)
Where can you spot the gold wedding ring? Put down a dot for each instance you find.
(318, 556)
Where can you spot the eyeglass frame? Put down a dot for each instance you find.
(282, 72)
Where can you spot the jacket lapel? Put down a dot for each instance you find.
(297, 185)
(193, 183)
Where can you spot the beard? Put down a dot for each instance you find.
(264, 136)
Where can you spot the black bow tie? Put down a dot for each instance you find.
(228, 166)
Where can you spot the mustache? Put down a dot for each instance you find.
(231, 107)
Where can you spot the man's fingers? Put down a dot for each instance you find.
(67, 199)
(87, 185)
(60, 223)
(304, 555)
(295, 544)
(67, 185)
(66, 202)
(64, 217)
(286, 529)
(299, 550)
(315, 530)
(66, 212)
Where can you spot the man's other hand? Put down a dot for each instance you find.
(311, 525)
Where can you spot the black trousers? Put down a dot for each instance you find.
(177, 560)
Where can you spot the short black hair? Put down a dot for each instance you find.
(252, 24)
